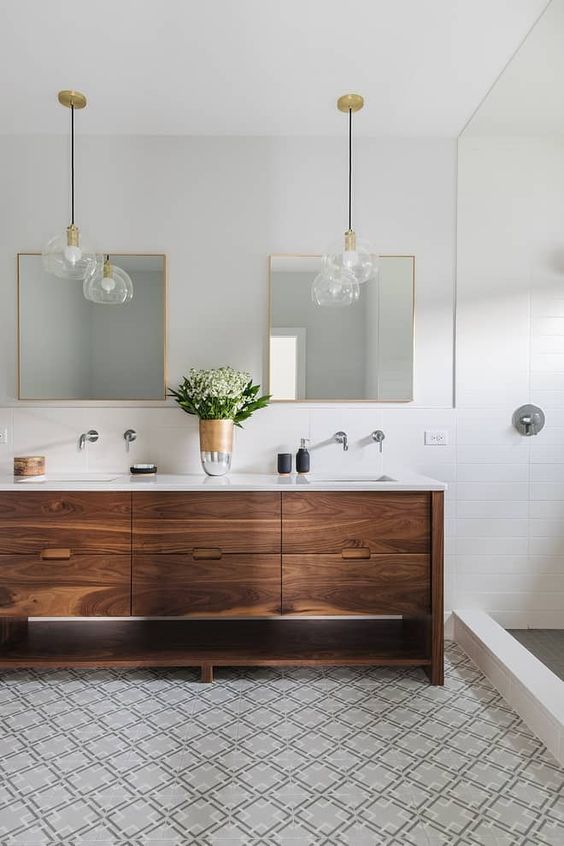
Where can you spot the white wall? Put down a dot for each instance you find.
(509, 527)
(219, 206)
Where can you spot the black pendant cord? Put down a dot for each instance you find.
(350, 169)
(72, 164)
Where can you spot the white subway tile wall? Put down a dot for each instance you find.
(509, 533)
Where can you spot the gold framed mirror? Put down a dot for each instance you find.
(361, 352)
(70, 348)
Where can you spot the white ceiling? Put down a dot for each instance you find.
(255, 66)
(528, 98)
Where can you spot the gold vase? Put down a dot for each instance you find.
(216, 446)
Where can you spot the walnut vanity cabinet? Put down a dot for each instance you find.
(356, 553)
(222, 578)
(65, 554)
(202, 554)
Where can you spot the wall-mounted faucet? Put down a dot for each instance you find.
(129, 436)
(529, 420)
(342, 438)
(91, 436)
(379, 437)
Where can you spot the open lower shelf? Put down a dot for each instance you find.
(199, 643)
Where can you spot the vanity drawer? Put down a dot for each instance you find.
(79, 586)
(327, 522)
(89, 522)
(184, 585)
(173, 522)
(379, 584)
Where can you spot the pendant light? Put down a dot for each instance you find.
(350, 263)
(334, 289)
(110, 285)
(68, 254)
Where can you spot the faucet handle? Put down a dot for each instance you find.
(342, 438)
(129, 436)
(529, 420)
(378, 436)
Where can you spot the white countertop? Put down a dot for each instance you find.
(232, 482)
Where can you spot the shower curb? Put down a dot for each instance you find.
(530, 688)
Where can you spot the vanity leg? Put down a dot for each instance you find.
(12, 629)
(207, 673)
(435, 672)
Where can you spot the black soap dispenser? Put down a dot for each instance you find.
(302, 457)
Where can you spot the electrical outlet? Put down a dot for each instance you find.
(4, 436)
(436, 437)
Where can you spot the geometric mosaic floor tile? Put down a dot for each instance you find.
(336, 756)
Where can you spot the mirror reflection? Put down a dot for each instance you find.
(73, 348)
(362, 351)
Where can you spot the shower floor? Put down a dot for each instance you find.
(545, 644)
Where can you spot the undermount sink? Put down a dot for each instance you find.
(83, 477)
(349, 479)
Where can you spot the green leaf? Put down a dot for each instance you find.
(193, 400)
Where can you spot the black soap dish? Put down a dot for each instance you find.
(143, 469)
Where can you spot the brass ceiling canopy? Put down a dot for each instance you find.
(350, 103)
(72, 98)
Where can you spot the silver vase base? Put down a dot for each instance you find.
(216, 463)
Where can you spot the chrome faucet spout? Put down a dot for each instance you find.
(342, 438)
(91, 437)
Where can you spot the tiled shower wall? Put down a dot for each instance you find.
(509, 526)
(505, 503)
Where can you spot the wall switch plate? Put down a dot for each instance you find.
(436, 437)
(4, 434)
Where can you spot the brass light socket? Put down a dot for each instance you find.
(72, 235)
(350, 240)
(107, 268)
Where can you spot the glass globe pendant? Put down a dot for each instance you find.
(351, 256)
(334, 289)
(69, 255)
(110, 285)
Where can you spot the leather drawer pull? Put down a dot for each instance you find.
(206, 553)
(55, 554)
(356, 552)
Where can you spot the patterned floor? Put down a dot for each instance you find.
(341, 756)
(546, 644)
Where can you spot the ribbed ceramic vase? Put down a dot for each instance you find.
(216, 446)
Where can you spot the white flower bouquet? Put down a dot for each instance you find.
(219, 394)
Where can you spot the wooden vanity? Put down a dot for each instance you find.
(248, 572)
